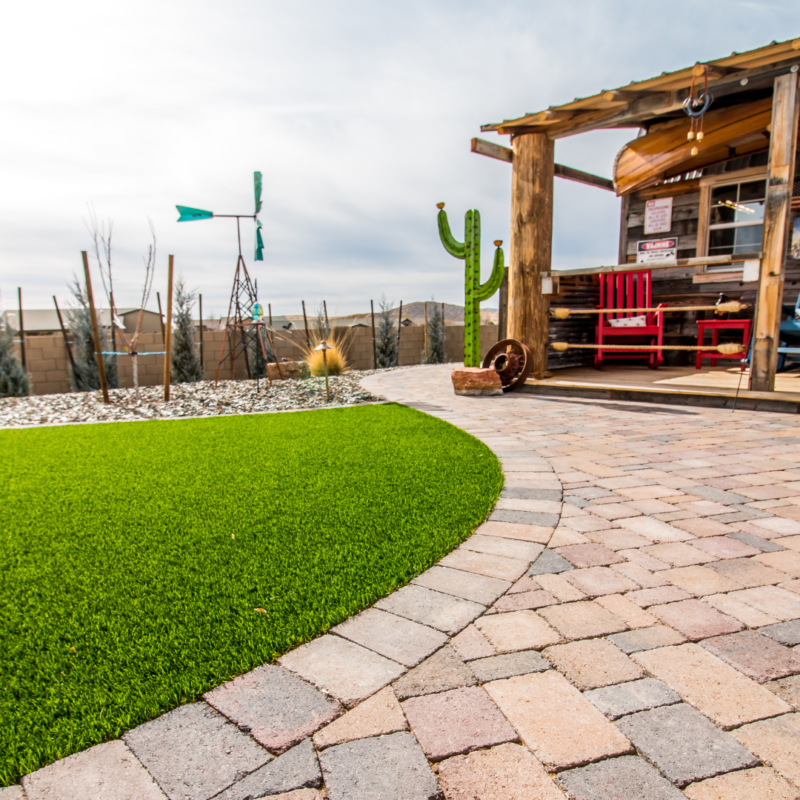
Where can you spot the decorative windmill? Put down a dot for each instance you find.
(244, 324)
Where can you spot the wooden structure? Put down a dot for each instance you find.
(732, 194)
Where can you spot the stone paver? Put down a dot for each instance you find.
(771, 600)
(435, 609)
(298, 768)
(589, 555)
(748, 572)
(391, 636)
(597, 581)
(776, 742)
(517, 630)
(506, 569)
(679, 554)
(193, 752)
(695, 619)
(105, 772)
(683, 744)
(582, 620)
(508, 665)
(657, 596)
(787, 633)
(549, 562)
(560, 726)
(274, 706)
(761, 783)
(725, 547)
(722, 693)
(345, 670)
(508, 548)
(646, 639)
(456, 722)
(559, 588)
(592, 663)
(298, 794)
(478, 588)
(376, 716)
(442, 671)
(787, 689)
(746, 614)
(629, 777)
(506, 772)
(788, 562)
(524, 533)
(628, 698)
(626, 610)
(381, 768)
(754, 654)
(757, 542)
(471, 643)
(699, 580)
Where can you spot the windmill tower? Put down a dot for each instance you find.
(244, 329)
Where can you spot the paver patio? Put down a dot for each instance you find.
(626, 624)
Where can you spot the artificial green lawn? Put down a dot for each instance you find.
(133, 556)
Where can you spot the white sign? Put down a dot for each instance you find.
(657, 250)
(658, 216)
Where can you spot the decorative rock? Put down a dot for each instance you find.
(476, 381)
(629, 777)
(289, 369)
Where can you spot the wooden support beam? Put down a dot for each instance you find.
(492, 150)
(780, 177)
(98, 343)
(531, 244)
(168, 329)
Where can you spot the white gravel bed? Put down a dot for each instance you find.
(200, 399)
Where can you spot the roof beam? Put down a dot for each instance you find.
(492, 150)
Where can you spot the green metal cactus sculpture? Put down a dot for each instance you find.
(474, 292)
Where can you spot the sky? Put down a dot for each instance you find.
(358, 114)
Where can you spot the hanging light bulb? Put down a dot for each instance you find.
(695, 150)
(700, 136)
(690, 135)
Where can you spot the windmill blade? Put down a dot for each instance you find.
(259, 243)
(257, 188)
(188, 214)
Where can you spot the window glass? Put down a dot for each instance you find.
(721, 241)
(755, 190)
(736, 218)
(723, 204)
(748, 238)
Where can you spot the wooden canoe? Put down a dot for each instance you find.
(665, 151)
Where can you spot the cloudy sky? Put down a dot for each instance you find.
(359, 114)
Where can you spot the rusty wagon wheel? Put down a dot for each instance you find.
(512, 361)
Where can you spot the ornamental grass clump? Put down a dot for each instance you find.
(339, 341)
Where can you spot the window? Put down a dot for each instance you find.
(736, 221)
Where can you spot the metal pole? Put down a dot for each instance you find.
(64, 334)
(374, 346)
(168, 341)
(305, 323)
(98, 346)
(21, 329)
(202, 360)
(161, 318)
(327, 386)
(399, 331)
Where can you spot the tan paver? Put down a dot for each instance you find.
(703, 527)
(654, 529)
(628, 611)
(748, 572)
(700, 581)
(720, 692)
(750, 616)
(560, 589)
(378, 715)
(582, 620)
(696, 620)
(618, 539)
(761, 783)
(788, 562)
(657, 596)
(506, 569)
(640, 575)
(560, 726)
(471, 643)
(597, 581)
(776, 742)
(771, 600)
(517, 630)
(592, 663)
(511, 530)
(679, 554)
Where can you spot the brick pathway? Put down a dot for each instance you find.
(625, 626)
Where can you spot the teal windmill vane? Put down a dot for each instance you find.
(469, 251)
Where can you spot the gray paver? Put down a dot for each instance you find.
(442, 671)
(516, 493)
(719, 495)
(382, 768)
(441, 611)
(624, 778)
(787, 633)
(297, 768)
(194, 753)
(646, 639)
(478, 588)
(525, 517)
(628, 698)
(345, 670)
(275, 706)
(391, 636)
(684, 744)
(764, 545)
(508, 665)
(548, 563)
(498, 546)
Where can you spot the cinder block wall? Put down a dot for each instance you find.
(47, 356)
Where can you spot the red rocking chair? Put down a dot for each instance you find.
(628, 290)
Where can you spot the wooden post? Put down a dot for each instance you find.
(202, 360)
(113, 326)
(780, 177)
(325, 306)
(399, 331)
(269, 306)
(65, 335)
(168, 334)
(305, 323)
(21, 329)
(98, 345)
(374, 345)
(161, 318)
(426, 333)
(624, 213)
(531, 244)
(502, 316)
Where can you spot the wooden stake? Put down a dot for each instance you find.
(269, 306)
(502, 314)
(531, 244)
(374, 345)
(426, 333)
(325, 306)
(305, 323)
(98, 345)
(780, 179)
(64, 334)
(21, 329)
(161, 318)
(399, 331)
(168, 335)
(113, 326)
(202, 360)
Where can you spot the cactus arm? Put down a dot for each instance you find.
(486, 290)
(457, 249)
